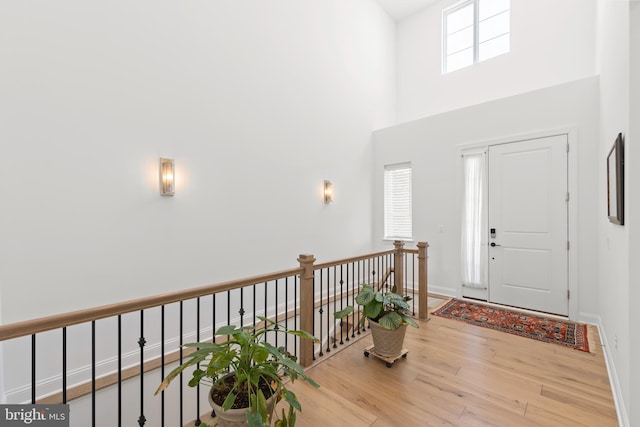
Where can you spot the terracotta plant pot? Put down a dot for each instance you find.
(387, 343)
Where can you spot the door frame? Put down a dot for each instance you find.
(572, 208)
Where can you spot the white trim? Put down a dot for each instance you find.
(448, 292)
(618, 400)
(572, 172)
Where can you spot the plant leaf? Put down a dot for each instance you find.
(391, 320)
(229, 401)
(343, 313)
(410, 321)
(372, 310)
(292, 399)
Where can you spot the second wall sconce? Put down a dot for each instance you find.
(328, 192)
(167, 177)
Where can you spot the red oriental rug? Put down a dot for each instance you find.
(565, 333)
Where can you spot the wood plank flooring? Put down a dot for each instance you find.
(460, 375)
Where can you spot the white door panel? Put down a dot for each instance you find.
(528, 210)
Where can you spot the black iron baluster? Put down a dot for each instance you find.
(64, 365)
(33, 369)
(276, 327)
(360, 273)
(266, 288)
(286, 311)
(342, 304)
(228, 307)
(198, 421)
(213, 317)
(119, 370)
(241, 311)
(181, 360)
(347, 276)
(162, 364)
(295, 314)
(93, 373)
(413, 282)
(328, 314)
(254, 308)
(141, 342)
(335, 302)
(320, 311)
(213, 327)
(353, 290)
(313, 319)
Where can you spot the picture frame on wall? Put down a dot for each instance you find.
(615, 182)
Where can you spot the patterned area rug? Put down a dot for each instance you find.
(568, 334)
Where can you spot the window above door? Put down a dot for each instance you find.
(474, 31)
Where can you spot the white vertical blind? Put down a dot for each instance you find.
(397, 201)
(474, 221)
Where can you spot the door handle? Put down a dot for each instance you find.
(493, 244)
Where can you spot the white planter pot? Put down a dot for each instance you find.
(236, 417)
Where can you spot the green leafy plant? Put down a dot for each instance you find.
(387, 308)
(247, 369)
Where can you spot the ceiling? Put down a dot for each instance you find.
(400, 9)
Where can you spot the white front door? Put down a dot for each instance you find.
(528, 249)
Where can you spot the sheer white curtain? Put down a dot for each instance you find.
(474, 221)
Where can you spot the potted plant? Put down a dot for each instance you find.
(246, 374)
(387, 312)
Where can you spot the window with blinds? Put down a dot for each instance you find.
(397, 202)
(474, 31)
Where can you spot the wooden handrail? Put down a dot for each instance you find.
(33, 326)
(353, 259)
(28, 327)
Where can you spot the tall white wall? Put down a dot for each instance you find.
(552, 42)
(614, 240)
(432, 146)
(258, 102)
(633, 174)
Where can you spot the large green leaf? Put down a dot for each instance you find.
(228, 330)
(260, 354)
(391, 320)
(372, 310)
(343, 313)
(366, 295)
(410, 321)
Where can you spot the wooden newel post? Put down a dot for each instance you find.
(398, 268)
(423, 310)
(306, 308)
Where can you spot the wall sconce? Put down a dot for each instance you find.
(328, 192)
(167, 177)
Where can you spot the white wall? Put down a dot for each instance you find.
(633, 203)
(432, 145)
(613, 240)
(258, 102)
(552, 42)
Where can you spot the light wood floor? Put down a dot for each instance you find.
(460, 375)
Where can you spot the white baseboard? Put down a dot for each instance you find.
(595, 319)
(448, 292)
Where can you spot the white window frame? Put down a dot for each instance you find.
(398, 202)
(476, 30)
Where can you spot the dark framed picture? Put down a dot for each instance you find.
(615, 181)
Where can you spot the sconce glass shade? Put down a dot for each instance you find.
(328, 192)
(167, 177)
